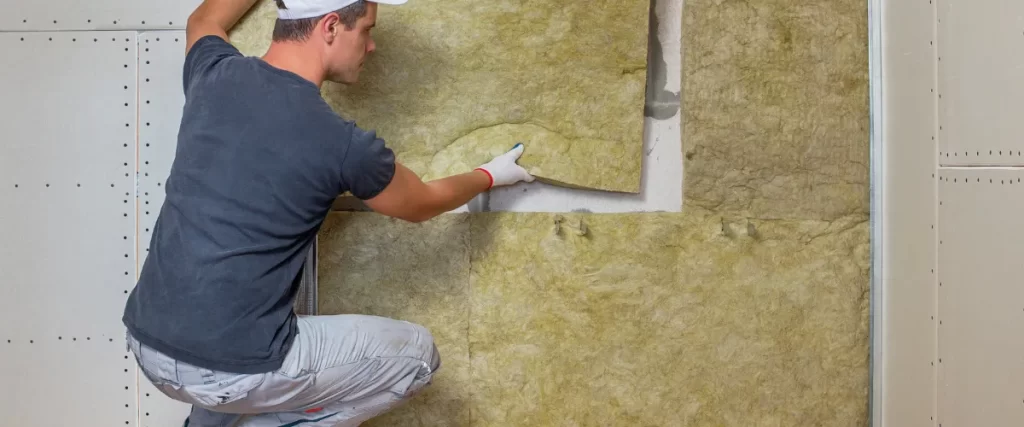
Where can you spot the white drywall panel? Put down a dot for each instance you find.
(981, 297)
(34, 15)
(981, 89)
(905, 220)
(67, 223)
(161, 59)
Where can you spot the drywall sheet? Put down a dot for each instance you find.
(455, 82)
(67, 223)
(95, 15)
(981, 93)
(775, 104)
(981, 300)
(906, 217)
(620, 319)
(371, 264)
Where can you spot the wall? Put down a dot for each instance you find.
(749, 308)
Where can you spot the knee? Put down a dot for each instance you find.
(429, 354)
(435, 358)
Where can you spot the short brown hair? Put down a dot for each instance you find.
(300, 29)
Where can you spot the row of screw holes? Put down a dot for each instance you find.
(158, 184)
(990, 181)
(89, 21)
(978, 153)
(75, 39)
(61, 338)
(932, 417)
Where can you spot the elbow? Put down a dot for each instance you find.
(417, 218)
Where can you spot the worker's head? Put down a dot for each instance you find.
(338, 30)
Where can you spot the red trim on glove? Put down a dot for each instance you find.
(489, 176)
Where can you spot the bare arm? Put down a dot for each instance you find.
(214, 17)
(411, 199)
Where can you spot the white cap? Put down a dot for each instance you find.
(299, 9)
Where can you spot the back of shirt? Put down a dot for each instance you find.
(260, 159)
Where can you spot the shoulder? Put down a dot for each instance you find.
(210, 46)
(206, 54)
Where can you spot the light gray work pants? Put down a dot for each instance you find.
(341, 370)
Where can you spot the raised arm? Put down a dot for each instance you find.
(214, 17)
(409, 198)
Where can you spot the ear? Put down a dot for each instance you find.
(330, 26)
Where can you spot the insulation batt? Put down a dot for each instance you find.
(455, 82)
(750, 308)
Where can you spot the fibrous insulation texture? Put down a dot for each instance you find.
(775, 107)
(454, 83)
(617, 319)
(750, 308)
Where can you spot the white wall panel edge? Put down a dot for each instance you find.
(119, 15)
(904, 194)
(67, 171)
(875, 19)
(161, 58)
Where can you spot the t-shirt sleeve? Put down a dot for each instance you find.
(368, 165)
(204, 55)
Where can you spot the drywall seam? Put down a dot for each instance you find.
(935, 154)
(877, 185)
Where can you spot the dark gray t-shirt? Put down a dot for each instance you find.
(259, 161)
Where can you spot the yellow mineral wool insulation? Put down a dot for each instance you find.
(775, 104)
(618, 319)
(455, 82)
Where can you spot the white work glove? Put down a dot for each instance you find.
(504, 170)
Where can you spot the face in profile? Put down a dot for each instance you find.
(350, 47)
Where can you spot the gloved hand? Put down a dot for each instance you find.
(504, 170)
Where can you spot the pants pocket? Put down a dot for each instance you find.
(222, 388)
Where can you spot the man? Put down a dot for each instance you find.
(260, 159)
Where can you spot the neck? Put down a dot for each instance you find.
(298, 58)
